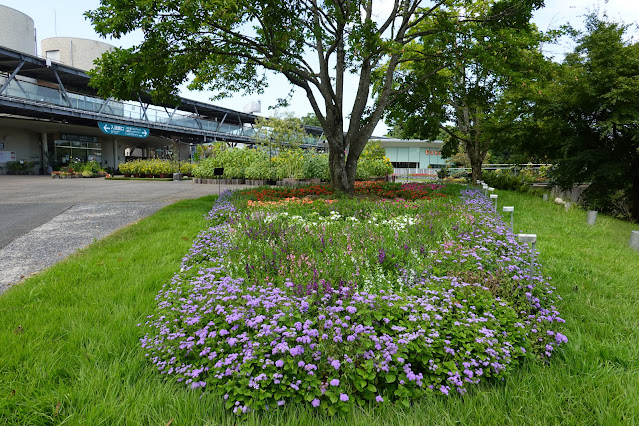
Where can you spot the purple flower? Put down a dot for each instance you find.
(279, 363)
(379, 398)
(336, 364)
(315, 402)
(334, 382)
(343, 397)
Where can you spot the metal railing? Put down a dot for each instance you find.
(119, 109)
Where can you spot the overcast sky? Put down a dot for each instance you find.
(64, 18)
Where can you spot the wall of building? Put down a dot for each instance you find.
(17, 31)
(413, 154)
(24, 143)
(424, 157)
(74, 52)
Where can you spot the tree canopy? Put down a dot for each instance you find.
(227, 46)
(472, 63)
(586, 117)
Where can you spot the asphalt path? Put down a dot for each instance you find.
(43, 220)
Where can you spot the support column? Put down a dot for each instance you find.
(116, 163)
(44, 153)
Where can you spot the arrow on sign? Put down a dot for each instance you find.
(107, 128)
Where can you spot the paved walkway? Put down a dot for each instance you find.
(43, 220)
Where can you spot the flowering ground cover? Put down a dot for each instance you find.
(332, 304)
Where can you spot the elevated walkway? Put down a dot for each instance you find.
(38, 88)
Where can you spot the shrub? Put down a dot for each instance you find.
(373, 162)
(316, 166)
(508, 180)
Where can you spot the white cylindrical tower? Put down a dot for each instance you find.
(17, 31)
(74, 52)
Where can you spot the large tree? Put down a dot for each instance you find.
(586, 118)
(471, 64)
(227, 45)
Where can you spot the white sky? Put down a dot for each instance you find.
(64, 18)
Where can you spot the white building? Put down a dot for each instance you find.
(74, 52)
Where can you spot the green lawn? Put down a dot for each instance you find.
(69, 350)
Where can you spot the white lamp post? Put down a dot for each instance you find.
(634, 240)
(494, 197)
(510, 209)
(532, 239)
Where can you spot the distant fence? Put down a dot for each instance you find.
(453, 170)
(407, 172)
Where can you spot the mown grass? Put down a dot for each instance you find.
(69, 349)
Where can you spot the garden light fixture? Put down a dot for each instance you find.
(494, 197)
(532, 239)
(511, 210)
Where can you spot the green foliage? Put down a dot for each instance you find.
(443, 172)
(311, 119)
(155, 167)
(280, 132)
(586, 118)
(316, 166)
(469, 66)
(20, 166)
(509, 180)
(206, 43)
(260, 164)
(373, 162)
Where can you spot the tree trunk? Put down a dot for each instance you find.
(476, 160)
(340, 179)
(343, 168)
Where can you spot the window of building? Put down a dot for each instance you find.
(71, 151)
(54, 55)
(405, 165)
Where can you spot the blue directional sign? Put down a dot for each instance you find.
(122, 130)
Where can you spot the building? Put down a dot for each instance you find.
(413, 155)
(17, 31)
(49, 115)
(74, 52)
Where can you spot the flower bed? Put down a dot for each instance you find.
(406, 191)
(335, 304)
